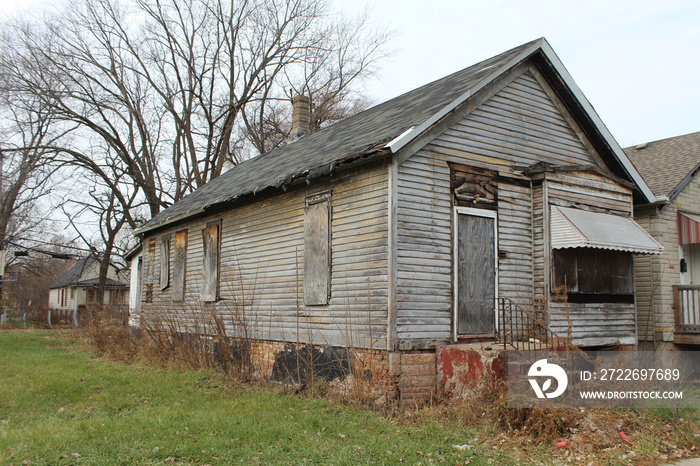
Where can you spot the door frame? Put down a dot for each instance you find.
(457, 211)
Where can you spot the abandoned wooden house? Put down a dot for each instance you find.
(422, 222)
(76, 289)
(668, 286)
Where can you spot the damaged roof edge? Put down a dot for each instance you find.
(375, 151)
(167, 221)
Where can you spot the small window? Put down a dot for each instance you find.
(90, 296)
(149, 292)
(117, 296)
(164, 261)
(180, 265)
(593, 275)
(210, 272)
(317, 250)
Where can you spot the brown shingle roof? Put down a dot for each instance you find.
(668, 164)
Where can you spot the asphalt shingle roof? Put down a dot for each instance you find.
(73, 274)
(352, 136)
(666, 163)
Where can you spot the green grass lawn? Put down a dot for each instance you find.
(58, 400)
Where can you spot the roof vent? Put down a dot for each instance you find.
(301, 111)
(642, 146)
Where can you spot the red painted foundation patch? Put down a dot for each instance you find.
(460, 368)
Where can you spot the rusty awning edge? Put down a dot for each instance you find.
(576, 228)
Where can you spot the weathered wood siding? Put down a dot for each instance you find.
(519, 126)
(594, 324)
(645, 270)
(581, 189)
(515, 241)
(424, 252)
(597, 323)
(540, 238)
(261, 268)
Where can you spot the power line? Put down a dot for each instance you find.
(55, 255)
(51, 244)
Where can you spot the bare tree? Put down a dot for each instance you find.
(25, 165)
(155, 98)
(331, 75)
(29, 290)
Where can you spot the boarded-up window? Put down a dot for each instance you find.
(593, 275)
(210, 270)
(150, 269)
(164, 261)
(317, 250)
(139, 283)
(151, 264)
(179, 265)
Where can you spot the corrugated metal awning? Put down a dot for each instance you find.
(575, 228)
(688, 228)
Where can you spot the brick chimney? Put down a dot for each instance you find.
(301, 110)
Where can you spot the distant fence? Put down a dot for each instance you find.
(51, 318)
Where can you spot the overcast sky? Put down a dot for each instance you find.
(637, 61)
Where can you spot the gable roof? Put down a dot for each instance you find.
(669, 164)
(72, 275)
(388, 128)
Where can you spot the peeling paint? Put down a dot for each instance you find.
(463, 366)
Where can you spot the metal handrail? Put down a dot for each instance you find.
(520, 329)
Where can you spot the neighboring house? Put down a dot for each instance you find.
(134, 258)
(76, 288)
(417, 223)
(668, 286)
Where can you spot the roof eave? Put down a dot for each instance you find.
(598, 124)
(168, 221)
(683, 183)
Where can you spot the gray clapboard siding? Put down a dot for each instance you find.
(262, 256)
(520, 125)
(598, 323)
(589, 190)
(515, 241)
(517, 129)
(644, 285)
(424, 250)
(588, 319)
